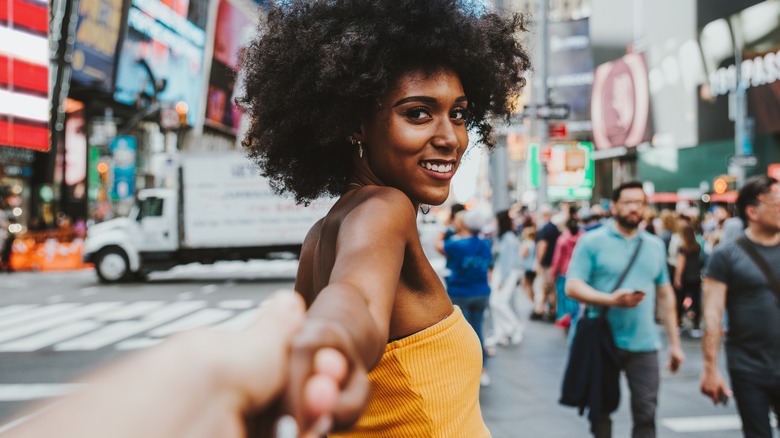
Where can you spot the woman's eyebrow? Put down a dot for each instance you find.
(425, 99)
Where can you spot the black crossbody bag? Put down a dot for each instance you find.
(750, 250)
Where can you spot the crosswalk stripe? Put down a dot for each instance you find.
(709, 423)
(122, 330)
(50, 337)
(236, 304)
(39, 312)
(21, 392)
(81, 312)
(9, 310)
(131, 310)
(198, 319)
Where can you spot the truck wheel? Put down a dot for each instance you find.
(112, 265)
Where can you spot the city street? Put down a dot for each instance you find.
(56, 326)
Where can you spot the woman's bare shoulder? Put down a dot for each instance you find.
(380, 204)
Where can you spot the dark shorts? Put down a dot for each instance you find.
(530, 276)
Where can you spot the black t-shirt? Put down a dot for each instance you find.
(693, 265)
(549, 233)
(753, 342)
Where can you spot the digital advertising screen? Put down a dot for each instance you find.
(234, 30)
(97, 36)
(162, 44)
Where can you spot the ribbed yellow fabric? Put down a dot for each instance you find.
(426, 385)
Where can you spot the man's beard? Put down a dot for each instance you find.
(627, 223)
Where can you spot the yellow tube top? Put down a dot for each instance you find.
(426, 385)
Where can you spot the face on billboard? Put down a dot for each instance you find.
(75, 148)
(621, 103)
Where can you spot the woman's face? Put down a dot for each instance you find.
(415, 141)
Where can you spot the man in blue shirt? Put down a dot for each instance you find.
(598, 260)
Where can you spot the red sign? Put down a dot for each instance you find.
(557, 131)
(774, 171)
(545, 153)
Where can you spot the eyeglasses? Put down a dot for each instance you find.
(632, 203)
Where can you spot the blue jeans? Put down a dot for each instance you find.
(755, 393)
(473, 309)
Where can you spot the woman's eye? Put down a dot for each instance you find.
(418, 114)
(459, 114)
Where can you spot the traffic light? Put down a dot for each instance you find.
(181, 109)
(724, 183)
(102, 169)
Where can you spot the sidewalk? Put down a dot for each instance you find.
(522, 400)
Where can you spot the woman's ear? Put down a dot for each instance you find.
(359, 133)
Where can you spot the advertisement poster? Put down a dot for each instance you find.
(620, 103)
(234, 31)
(97, 35)
(24, 75)
(571, 73)
(570, 170)
(161, 57)
(123, 150)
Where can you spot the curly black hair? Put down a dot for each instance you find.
(319, 68)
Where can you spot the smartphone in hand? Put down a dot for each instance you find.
(641, 292)
(723, 399)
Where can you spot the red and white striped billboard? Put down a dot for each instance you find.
(24, 74)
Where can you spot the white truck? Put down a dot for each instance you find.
(222, 210)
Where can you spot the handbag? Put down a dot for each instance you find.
(750, 250)
(592, 371)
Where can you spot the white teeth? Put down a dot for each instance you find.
(440, 168)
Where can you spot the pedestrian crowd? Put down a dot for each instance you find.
(570, 263)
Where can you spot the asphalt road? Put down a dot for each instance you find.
(57, 326)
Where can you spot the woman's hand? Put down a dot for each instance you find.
(328, 387)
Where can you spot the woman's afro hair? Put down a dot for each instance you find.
(319, 68)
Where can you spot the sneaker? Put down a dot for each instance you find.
(695, 333)
(484, 379)
(516, 338)
(536, 316)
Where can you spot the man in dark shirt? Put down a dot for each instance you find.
(544, 290)
(733, 281)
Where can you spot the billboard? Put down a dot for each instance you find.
(571, 73)
(757, 29)
(24, 74)
(570, 170)
(123, 151)
(160, 43)
(97, 36)
(233, 32)
(620, 105)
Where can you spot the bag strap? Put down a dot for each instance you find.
(624, 274)
(750, 250)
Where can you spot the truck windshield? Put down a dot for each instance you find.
(150, 207)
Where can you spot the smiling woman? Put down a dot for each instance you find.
(372, 101)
